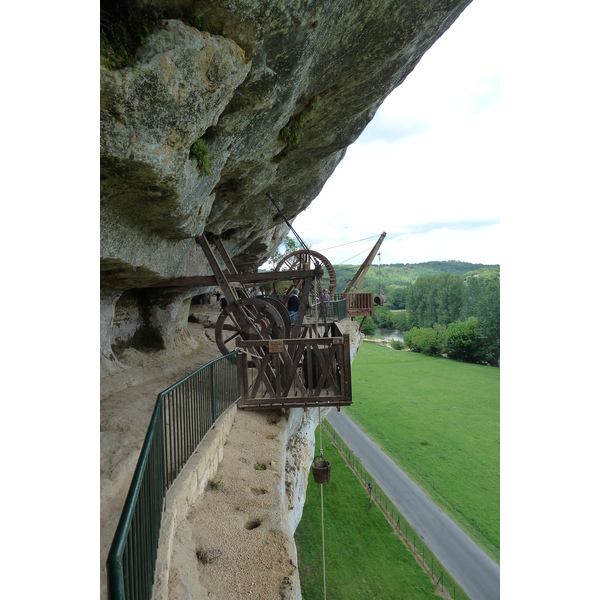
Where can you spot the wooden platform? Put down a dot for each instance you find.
(294, 372)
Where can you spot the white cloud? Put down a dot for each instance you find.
(430, 156)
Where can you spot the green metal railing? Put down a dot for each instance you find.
(183, 415)
(336, 310)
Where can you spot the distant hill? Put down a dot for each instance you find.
(386, 278)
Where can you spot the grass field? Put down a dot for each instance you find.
(439, 420)
(364, 558)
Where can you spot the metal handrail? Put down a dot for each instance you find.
(336, 310)
(179, 423)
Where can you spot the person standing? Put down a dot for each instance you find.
(293, 305)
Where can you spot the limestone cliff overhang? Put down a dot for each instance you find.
(251, 73)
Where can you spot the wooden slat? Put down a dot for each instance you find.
(278, 371)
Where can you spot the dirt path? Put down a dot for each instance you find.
(236, 522)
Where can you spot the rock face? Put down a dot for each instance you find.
(226, 101)
(275, 91)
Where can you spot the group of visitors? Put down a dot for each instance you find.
(255, 292)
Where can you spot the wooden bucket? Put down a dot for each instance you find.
(321, 470)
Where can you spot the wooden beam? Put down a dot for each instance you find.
(359, 276)
(256, 278)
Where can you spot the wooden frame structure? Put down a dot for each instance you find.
(361, 304)
(280, 364)
(295, 372)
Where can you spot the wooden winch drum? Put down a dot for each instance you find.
(321, 470)
(380, 299)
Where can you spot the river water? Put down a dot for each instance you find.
(388, 334)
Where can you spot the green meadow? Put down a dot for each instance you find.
(439, 420)
(364, 557)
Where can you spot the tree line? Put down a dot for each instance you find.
(449, 314)
(443, 307)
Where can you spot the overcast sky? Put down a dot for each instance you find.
(424, 169)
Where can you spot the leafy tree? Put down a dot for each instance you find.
(482, 301)
(369, 326)
(383, 317)
(427, 340)
(287, 246)
(388, 278)
(462, 340)
(400, 321)
(434, 299)
(488, 316)
(397, 297)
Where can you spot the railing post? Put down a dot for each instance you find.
(213, 393)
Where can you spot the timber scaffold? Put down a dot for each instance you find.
(295, 372)
(282, 364)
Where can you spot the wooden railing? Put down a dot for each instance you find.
(294, 372)
(359, 304)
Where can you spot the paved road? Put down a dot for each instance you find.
(470, 566)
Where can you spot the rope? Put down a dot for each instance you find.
(346, 244)
(323, 541)
(361, 252)
(322, 513)
(320, 440)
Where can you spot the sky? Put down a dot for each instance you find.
(424, 169)
(444, 148)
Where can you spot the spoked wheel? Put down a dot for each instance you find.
(263, 321)
(285, 315)
(303, 260)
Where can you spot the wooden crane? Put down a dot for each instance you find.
(277, 367)
(361, 304)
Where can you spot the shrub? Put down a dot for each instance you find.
(462, 340)
(427, 340)
(369, 326)
(217, 484)
(382, 316)
(292, 132)
(397, 345)
(203, 157)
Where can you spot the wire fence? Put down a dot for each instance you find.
(444, 582)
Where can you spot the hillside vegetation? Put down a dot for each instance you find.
(393, 280)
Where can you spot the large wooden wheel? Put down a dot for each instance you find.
(285, 315)
(305, 260)
(250, 319)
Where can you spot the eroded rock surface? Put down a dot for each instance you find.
(276, 92)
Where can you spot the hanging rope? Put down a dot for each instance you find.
(320, 439)
(322, 513)
(323, 541)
